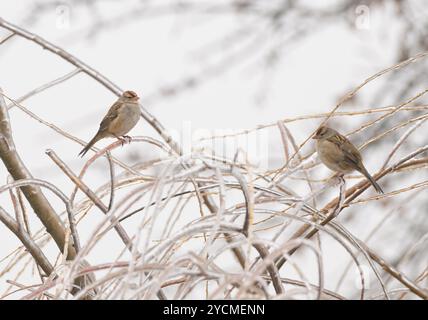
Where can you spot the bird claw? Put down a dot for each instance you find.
(125, 139)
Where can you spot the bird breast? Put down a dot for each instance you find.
(332, 156)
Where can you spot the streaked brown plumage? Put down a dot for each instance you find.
(122, 116)
(339, 154)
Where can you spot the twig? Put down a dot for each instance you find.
(91, 195)
(45, 87)
(111, 167)
(7, 38)
(26, 240)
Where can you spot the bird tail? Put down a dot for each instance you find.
(89, 145)
(372, 181)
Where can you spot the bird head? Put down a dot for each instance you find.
(324, 132)
(130, 95)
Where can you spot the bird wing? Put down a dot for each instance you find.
(112, 113)
(350, 152)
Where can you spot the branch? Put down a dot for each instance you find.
(159, 128)
(90, 194)
(17, 169)
(90, 72)
(26, 240)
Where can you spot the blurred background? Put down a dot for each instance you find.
(224, 67)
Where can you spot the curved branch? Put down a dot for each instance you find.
(26, 240)
(17, 169)
(90, 72)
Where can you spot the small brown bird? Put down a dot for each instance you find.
(122, 116)
(339, 154)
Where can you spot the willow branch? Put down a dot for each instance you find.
(91, 195)
(26, 240)
(97, 76)
(17, 169)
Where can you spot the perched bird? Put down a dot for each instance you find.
(339, 154)
(122, 116)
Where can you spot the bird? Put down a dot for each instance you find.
(122, 116)
(339, 154)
